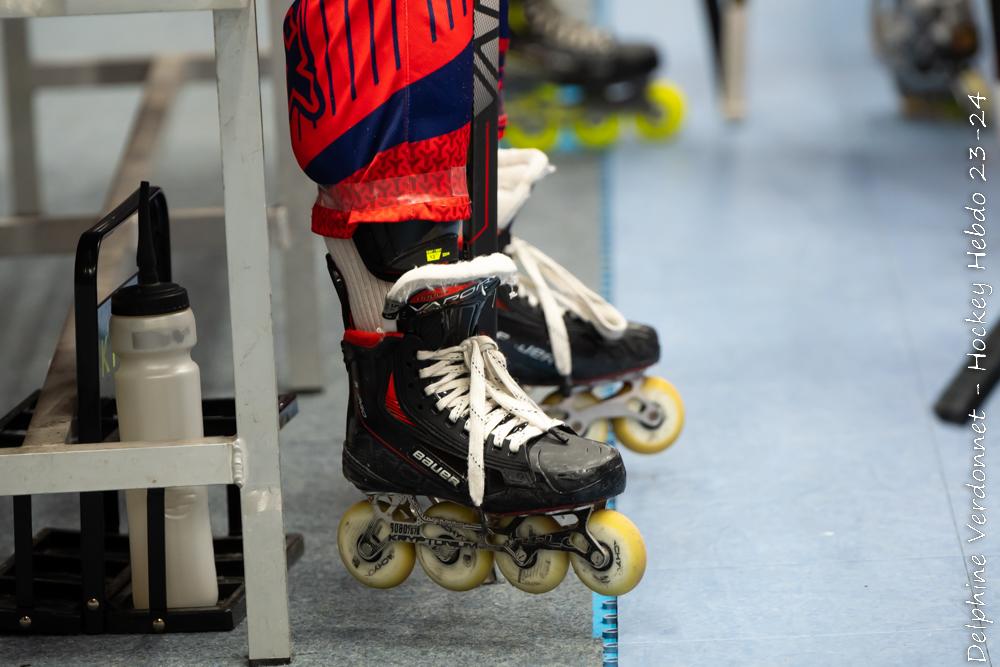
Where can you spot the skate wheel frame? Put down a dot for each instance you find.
(545, 569)
(362, 540)
(596, 430)
(645, 440)
(655, 405)
(622, 541)
(457, 568)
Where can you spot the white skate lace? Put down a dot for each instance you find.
(544, 282)
(473, 383)
(565, 29)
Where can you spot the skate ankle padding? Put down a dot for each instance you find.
(390, 249)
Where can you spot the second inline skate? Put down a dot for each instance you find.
(930, 46)
(565, 76)
(558, 333)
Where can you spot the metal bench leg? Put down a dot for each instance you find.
(20, 116)
(303, 342)
(253, 343)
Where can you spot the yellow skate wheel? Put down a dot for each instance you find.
(628, 553)
(557, 406)
(546, 569)
(639, 438)
(597, 132)
(544, 138)
(531, 122)
(972, 82)
(454, 568)
(383, 567)
(669, 107)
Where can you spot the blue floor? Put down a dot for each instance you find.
(808, 282)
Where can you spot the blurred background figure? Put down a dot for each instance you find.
(572, 84)
(930, 46)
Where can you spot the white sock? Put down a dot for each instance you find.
(365, 292)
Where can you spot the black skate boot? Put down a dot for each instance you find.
(930, 46)
(556, 332)
(570, 51)
(436, 415)
(564, 71)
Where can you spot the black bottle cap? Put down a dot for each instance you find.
(149, 297)
(149, 300)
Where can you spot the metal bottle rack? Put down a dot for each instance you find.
(48, 462)
(75, 581)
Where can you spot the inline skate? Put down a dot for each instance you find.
(563, 73)
(556, 332)
(930, 46)
(461, 468)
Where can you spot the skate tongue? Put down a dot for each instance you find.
(445, 316)
(442, 303)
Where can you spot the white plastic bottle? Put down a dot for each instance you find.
(158, 391)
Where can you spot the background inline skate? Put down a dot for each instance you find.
(556, 332)
(930, 47)
(436, 420)
(564, 75)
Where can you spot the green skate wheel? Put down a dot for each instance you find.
(669, 107)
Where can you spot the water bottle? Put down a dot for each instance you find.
(158, 391)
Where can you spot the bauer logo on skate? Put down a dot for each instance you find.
(437, 468)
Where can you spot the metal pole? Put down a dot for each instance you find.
(20, 116)
(253, 342)
(302, 305)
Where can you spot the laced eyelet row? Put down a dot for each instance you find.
(470, 381)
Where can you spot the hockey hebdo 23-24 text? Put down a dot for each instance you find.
(979, 620)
